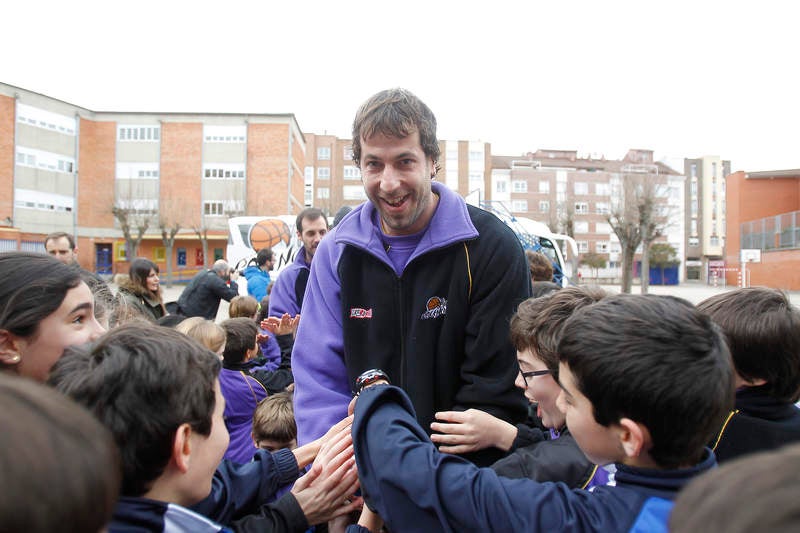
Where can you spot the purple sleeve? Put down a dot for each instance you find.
(321, 391)
(282, 299)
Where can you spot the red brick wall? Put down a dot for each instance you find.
(268, 169)
(7, 121)
(181, 171)
(96, 173)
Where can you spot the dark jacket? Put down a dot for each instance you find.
(439, 328)
(143, 302)
(554, 459)
(238, 493)
(202, 295)
(290, 287)
(758, 423)
(414, 487)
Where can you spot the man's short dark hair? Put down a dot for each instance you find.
(58, 235)
(656, 360)
(311, 214)
(263, 255)
(240, 336)
(142, 382)
(396, 113)
(762, 328)
(538, 322)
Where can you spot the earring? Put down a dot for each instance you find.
(14, 360)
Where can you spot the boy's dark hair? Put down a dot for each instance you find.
(763, 332)
(240, 336)
(540, 266)
(142, 382)
(656, 360)
(758, 492)
(538, 322)
(273, 419)
(311, 214)
(396, 113)
(60, 466)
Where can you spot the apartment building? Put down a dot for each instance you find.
(67, 168)
(574, 195)
(705, 216)
(763, 233)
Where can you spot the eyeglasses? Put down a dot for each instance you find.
(533, 374)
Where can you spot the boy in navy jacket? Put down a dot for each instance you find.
(158, 393)
(763, 332)
(644, 379)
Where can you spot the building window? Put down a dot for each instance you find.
(501, 186)
(519, 186)
(519, 206)
(213, 208)
(583, 246)
(139, 133)
(544, 206)
(602, 189)
(544, 187)
(581, 208)
(40, 118)
(225, 134)
(353, 192)
(351, 172)
(581, 188)
(347, 153)
(581, 226)
(475, 156)
(324, 153)
(223, 171)
(601, 247)
(713, 240)
(323, 192)
(323, 173)
(602, 227)
(30, 157)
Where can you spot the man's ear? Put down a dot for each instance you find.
(9, 348)
(182, 447)
(634, 438)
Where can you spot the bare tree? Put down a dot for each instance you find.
(134, 224)
(171, 218)
(635, 219)
(201, 230)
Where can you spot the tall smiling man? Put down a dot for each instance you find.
(413, 282)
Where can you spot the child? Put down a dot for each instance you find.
(247, 306)
(763, 332)
(206, 332)
(274, 426)
(60, 466)
(158, 392)
(643, 379)
(551, 456)
(241, 391)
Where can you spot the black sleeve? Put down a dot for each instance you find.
(283, 516)
(277, 380)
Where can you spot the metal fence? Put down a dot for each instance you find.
(772, 233)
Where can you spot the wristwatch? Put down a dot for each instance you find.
(369, 377)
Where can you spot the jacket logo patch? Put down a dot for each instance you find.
(357, 312)
(436, 306)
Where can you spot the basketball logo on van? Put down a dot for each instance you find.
(436, 306)
(268, 233)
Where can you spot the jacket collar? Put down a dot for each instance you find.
(662, 483)
(450, 224)
(755, 401)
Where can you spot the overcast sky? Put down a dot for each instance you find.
(684, 79)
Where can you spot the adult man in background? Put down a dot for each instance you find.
(202, 295)
(290, 287)
(257, 275)
(62, 246)
(414, 282)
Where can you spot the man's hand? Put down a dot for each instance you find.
(328, 489)
(471, 430)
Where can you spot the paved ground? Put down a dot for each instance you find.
(693, 292)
